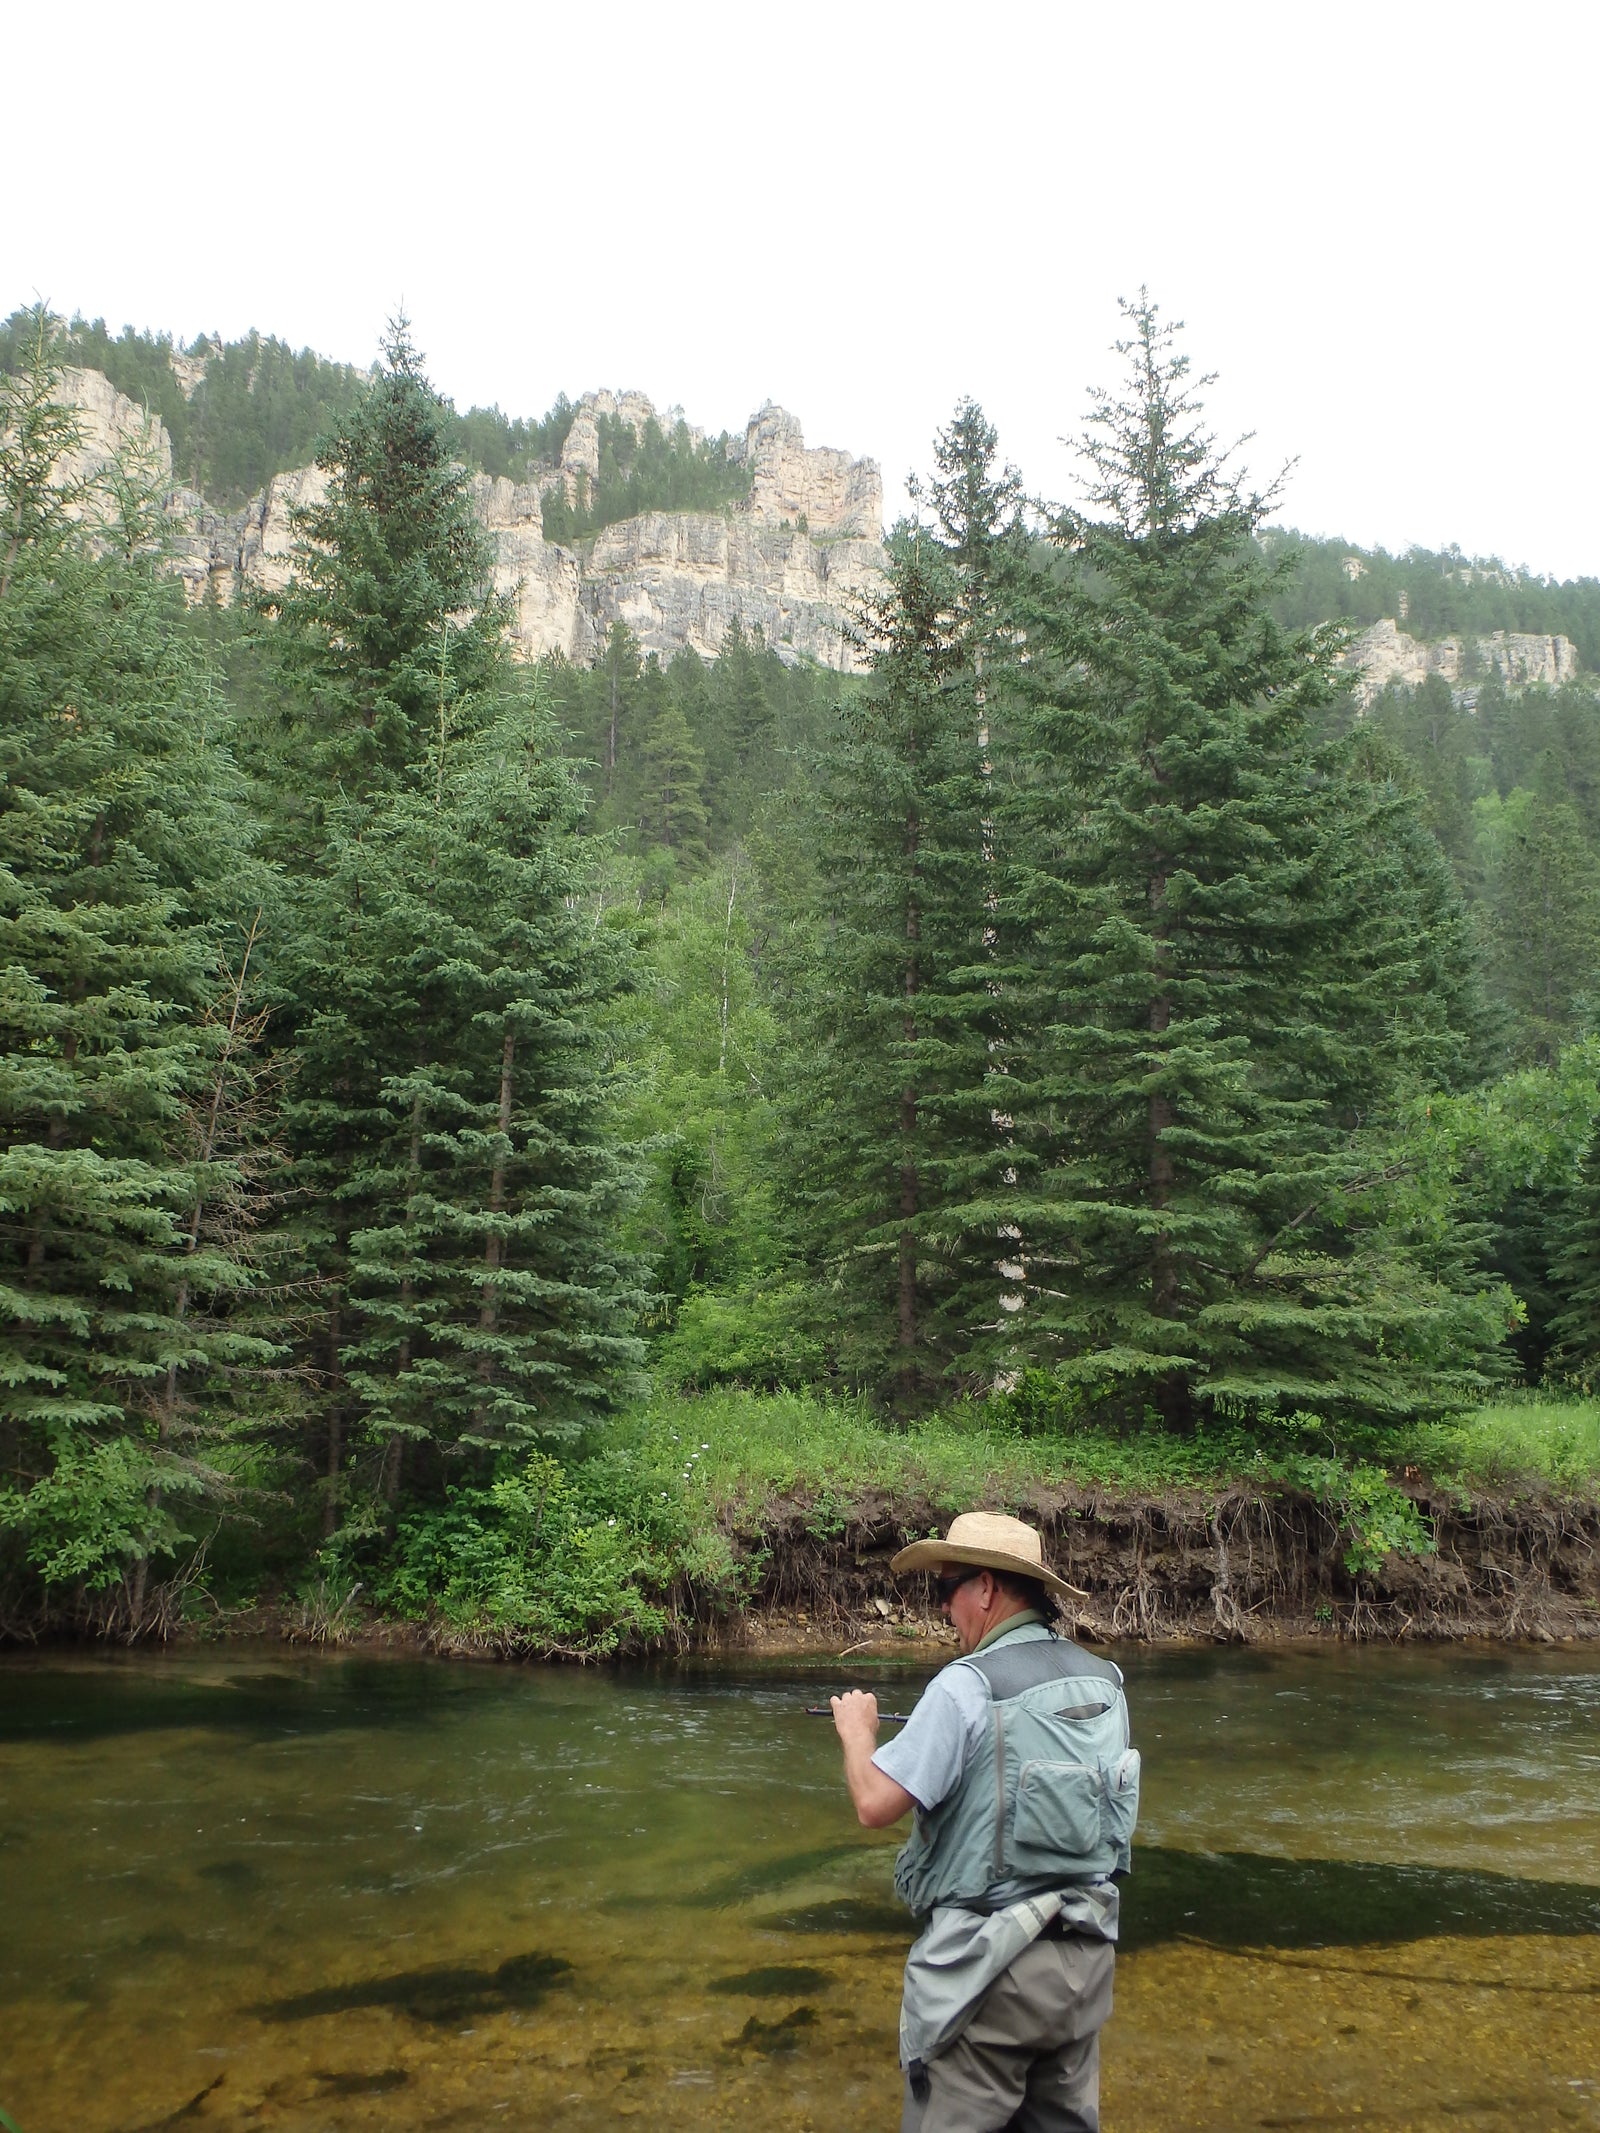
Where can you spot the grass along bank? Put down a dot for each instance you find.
(694, 1517)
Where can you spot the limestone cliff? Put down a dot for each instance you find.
(1386, 654)
(830, 491)
(112, 430)
(680, 578)
(792, 561)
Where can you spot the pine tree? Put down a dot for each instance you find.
(891, 1140)
(494, 1302)
(1573, 1249)
(125, 870)
(978, 509)
(457, 1190)
(619, 668)
(673, 815)
(389, 623)
(1543, 894)
(1228, 963)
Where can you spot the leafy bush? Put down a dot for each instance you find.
(1375, 1518)
(579, 1559)
(753, 1337)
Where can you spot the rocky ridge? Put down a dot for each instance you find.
(793, 560)
(1384, 653)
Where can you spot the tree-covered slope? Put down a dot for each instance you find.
(1431, 594)
(239, 412)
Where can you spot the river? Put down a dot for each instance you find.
(260, 1890)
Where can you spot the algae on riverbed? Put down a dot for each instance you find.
(1370, 1879)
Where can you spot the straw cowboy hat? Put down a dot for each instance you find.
(988, 1541)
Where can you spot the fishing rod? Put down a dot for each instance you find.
(826, 1711)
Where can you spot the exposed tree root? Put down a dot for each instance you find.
(1236, 1569)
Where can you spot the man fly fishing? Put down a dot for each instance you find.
(1018, 1765)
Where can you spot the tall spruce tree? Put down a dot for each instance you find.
(1543, 920)
(672, 814)
(1573, 1254)
(124, 871)
(494, 1303)
(899, 1138)
(389, 624)
(456, 1184)
(1227, 946)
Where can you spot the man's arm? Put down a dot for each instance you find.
(878, 1799)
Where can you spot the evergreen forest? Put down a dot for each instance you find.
(430, 1082)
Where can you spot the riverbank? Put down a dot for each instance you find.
(766, 1524)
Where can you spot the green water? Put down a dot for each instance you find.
(278, 1892)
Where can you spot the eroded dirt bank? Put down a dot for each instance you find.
(1235, 1567)
(1238, 1568)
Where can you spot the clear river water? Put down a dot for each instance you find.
(257, 1890)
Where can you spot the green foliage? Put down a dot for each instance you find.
(761, 1337)
(1247, 955)
(1083, 1022)
(1541, 901)
(388, 638)
(258, 409)
(663, 743)
(579, 1560)
(1534, 1442)
(893, 1159)
(703, 1044)
(1433, 594)
(653, 470)
(490, 1298)
(1510, 779)
(1376, 1517)
(1572, 1239)
(125, 879)
(514, 447)
(93, 1512)
(445, 995)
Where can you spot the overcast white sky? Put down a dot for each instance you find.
(1378, 221)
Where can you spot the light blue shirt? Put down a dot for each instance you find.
(931, 1750)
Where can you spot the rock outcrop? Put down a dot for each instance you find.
(680, 578)
(828, 490)
(792, 561)
(116, 437)
(1385, 654)
(543, 580)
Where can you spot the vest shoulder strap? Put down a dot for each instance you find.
(1008, 1669)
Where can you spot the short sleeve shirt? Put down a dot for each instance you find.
(929, 1753)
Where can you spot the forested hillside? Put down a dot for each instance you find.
(239, 412)
(1085, 1023)
(1431, 595)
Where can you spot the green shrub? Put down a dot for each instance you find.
(578, 1559)
(751, 1337)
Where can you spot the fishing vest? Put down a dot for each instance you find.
(1049, 1797)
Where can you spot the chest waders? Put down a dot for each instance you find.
(1047, 1803)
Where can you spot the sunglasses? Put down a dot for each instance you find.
(950, 1584)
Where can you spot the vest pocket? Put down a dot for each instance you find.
(1121, 1802)
(1055, 1822)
